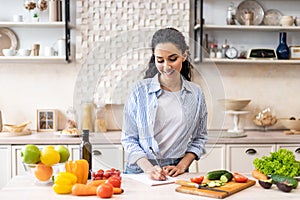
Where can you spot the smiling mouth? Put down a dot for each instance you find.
(169, 72)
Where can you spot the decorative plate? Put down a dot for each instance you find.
(8, 40)
(272, 17)
(254, 7)
(60, 133)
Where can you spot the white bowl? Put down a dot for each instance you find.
(286, 21)
(24, 52)
(293, 125)
(234, 104)
(9, 52)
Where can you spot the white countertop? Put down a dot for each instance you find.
(23, 187)
(113, 137)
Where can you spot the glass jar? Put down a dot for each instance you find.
(71, 118)
(100, 118)
(87, 116)
(213, 50)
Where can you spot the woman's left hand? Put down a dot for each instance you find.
(173, 170)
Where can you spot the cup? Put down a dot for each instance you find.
(18, 18)
(24, 52)
(36, 49)
(49, 51)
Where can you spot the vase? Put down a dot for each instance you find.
(282, 50)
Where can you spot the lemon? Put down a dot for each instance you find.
(49, 156)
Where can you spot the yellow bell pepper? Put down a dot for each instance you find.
(80, 168)
(63, 182)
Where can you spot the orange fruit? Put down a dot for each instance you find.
(43, 172)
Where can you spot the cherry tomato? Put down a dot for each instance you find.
(239, 178)
(197, 179)
(114, 181)
(105, 190)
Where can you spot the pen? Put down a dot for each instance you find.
(155, 156)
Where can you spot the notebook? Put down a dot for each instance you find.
(144, 178)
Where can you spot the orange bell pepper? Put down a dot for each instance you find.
(80, 168)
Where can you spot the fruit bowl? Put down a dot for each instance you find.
(42, 174)
(292, 124)
(234, 104)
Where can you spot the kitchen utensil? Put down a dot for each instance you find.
(272, 17)
(198, 186)
(262, 53)
(9, 52)
(8, 40)
(234, 104)
(250, 6)
(286, 21)
(292, 124)
(16, 128)
(230, 188)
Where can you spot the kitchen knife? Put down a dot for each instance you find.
(195, 185)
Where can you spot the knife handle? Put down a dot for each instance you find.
(186, 183)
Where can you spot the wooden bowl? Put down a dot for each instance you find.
(15, 128)
(234, 104)
(291, 124)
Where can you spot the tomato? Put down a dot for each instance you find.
(105, 190)
(114, 181)
(197, 179)
(239, 178)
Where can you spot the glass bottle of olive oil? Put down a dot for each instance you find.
(86, 149)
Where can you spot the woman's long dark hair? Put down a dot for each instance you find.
(169, 35)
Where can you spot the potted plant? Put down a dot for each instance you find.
(35, 17)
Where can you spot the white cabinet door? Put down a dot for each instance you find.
(17, 166)
(240, 157)
(295, 148)
(107, 156)
(74, 152)
(5, 167)
(214, 158)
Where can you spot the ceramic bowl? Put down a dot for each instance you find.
(234, 104)
(24, 52)
(292, 124)
(297, 21)
(286, 21)
(9, 52)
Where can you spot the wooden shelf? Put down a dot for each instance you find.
(253, 28)
(254, 61)
(33, 24)
(20, 59)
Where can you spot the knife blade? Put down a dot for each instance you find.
(195, 185)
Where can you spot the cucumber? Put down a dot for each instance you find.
(216, 175)
(226, 177)
(280, 179)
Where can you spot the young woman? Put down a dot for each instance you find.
(164, 125)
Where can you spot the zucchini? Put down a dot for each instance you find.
(216, 175)
(281, 179)
(226, 177)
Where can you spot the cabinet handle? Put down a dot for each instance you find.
(250, 151)
(97, 153)
(297, 150)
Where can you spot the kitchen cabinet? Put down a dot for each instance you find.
(209, 17)
(106, 156)
(5, 167)
(292, 147)
(240, 157)
(214, 158)
(45, 33)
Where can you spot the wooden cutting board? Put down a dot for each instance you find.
(231, 187)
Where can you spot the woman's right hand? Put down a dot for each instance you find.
(157, 173)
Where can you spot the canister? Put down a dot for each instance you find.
(295, 52)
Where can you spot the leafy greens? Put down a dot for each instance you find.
(282, 162)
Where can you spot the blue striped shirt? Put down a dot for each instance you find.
(139, 119)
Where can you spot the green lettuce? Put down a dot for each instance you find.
(282, 162)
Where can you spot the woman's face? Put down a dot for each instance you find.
(168, 60)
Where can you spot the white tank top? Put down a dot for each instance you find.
(169, 124)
